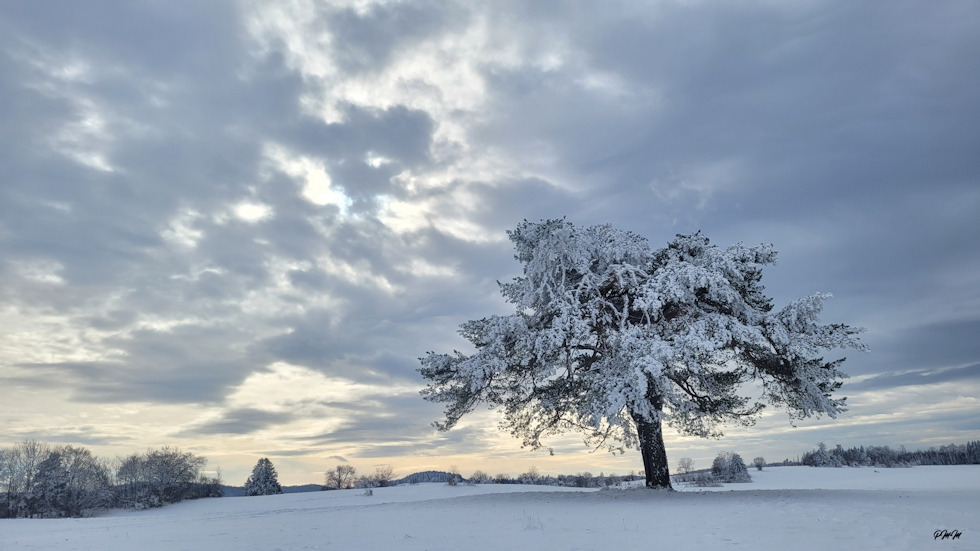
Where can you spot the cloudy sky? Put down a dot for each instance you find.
(234, 227)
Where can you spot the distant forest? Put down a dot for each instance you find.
(884, 456)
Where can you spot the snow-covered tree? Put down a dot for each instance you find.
(8, 481)
(759, 463)
(263, 481)
(531, 476)
(50, 486)
(28, 456)
(74, 482)
(820, 458)
(612, 338)
(729, 467)
(157, 477)
(685, 465)
(480, 477)
(452, 475)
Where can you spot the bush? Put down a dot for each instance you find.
(452, 478)
(704, 480)
(480, 477)
(502, 478)
(730, 468)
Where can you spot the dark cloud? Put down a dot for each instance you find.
(366, 41)
(372, 424)
(289, 453)
(913, 378)
(399, 134)
(239, 421)
(85, 435)
(187, 364)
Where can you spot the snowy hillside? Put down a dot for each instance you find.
(796, 508)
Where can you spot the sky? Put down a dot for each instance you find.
(234, 227)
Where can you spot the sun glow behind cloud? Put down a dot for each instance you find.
(311, 174)
(252, 212)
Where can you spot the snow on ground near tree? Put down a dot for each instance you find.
(950, 477)
(782, 509)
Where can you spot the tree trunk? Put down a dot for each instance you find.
(653, 452)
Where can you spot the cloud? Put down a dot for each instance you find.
(304, 452)
(85, 435)
(202, 199)
(239, 421)
(917, 378)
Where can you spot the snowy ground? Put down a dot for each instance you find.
(796, 508)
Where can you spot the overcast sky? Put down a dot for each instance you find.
(233, 227)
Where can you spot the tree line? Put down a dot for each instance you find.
(42, 481)
(344, 477)
(884, 456)
(531, 476)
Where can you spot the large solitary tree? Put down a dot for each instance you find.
(613, 339)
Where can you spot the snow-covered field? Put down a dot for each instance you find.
(795, 508)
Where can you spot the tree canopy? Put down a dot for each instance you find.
(612, 338)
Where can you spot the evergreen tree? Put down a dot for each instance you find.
(50, 494)
(612, 338)
(263, 481)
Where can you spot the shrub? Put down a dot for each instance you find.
(452, 478)
(729, 467)
(480, 477)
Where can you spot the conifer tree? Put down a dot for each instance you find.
(263, 481)
(613, 339)
(51, 486)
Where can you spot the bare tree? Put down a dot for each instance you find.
(88, 483)
(341, 477)
(685, 465)
(382, 475)
(532, 476)
(453, 477)
(9, 482)
(31, 454)
(759, 463)
(480, 477)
